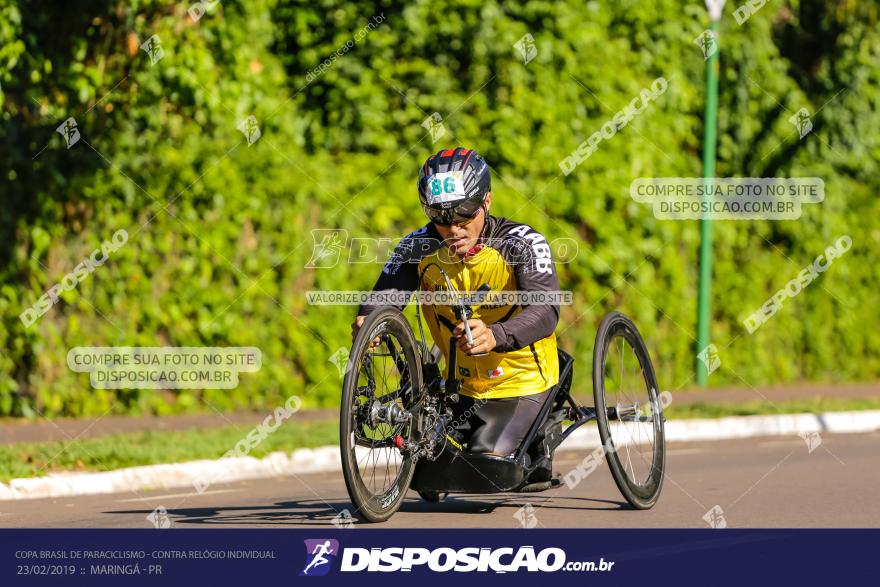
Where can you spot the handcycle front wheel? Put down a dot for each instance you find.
(629, 411)
(379, 413)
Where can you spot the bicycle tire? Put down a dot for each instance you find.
(640, 495)
(384, 323)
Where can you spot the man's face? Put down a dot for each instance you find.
(461, 239)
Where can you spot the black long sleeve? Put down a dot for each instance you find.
(529, 253)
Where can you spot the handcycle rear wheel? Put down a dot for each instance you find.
(629, 411)
(380, 393)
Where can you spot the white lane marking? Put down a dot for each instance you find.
(175, 495)
(787, 442)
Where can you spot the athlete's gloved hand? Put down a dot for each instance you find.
(484, 339)
(356, 326)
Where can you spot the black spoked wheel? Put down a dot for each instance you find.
(629, 411)
(379, 413)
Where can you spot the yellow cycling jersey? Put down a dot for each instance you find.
(511, 257)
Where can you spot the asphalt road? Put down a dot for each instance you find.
(763, 482)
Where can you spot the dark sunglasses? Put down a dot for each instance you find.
(461, 215)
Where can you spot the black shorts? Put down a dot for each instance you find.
(496, 426)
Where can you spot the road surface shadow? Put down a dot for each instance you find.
(280, 513)
(316, 511)
(465, 504)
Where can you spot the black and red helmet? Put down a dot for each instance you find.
(453, 185)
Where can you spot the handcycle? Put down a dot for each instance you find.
(396, 414)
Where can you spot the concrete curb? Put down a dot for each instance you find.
(327, 458)
(151, 477)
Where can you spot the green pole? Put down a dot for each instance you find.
(704, 298)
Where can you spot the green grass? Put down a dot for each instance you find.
(761, 407)
(813, 405)
(148, 448)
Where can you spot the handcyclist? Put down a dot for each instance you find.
(512, 363)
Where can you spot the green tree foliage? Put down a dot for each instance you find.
(219, 230)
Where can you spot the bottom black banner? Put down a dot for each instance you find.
(371, 556)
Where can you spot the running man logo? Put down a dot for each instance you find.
(801, 121)
(340, 359)
(153, 48)
(318, 556)
(159, 518)
(68, 130)
(434, 125)
(327, 247)
(813, 440)
(710, 358)
(707, 43)
(527, 48)
(250, 129)
(526, 516)
(715, 517)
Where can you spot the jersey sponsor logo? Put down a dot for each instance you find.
(542, 259)
(496, 372)
(404, 250)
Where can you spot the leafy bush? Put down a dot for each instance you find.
(219, 231)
